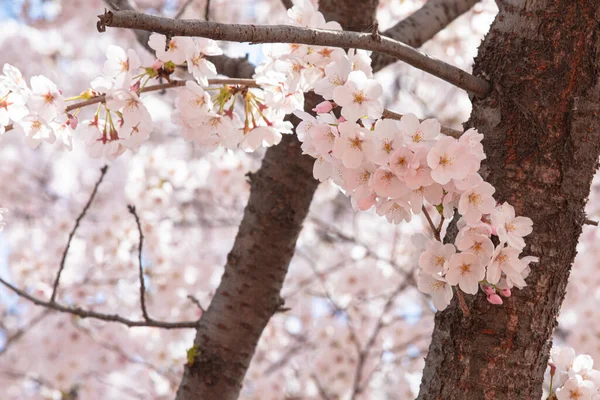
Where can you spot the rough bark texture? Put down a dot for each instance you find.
(249, 293)
(542, 141)
(422, 25)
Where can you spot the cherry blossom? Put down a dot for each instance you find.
(511, 229)
(177, 51)
(121, 65)
(45, 100)
(476, 201)
(351, 146)
(436, 286)
(359, 97)
(435, 258)
(465, 270)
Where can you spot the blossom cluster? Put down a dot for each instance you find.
(398, 167)
(573, 376)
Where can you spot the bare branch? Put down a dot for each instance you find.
(194, 300)
(96, 315)
(287, 4)
(422, 25)
(22, 331)
(140, 268)
(291, 34)
(435, 231)
(357, 388)
(320, 388)
(186, 5)
(590, 222)
(77, 222)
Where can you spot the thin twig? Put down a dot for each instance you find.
(22, 331)
(287, 4)
(357, 388)
(77, 221)
(140, 268)
(96, 315)
(207, 11)
(300, 35)
(194, 300)
(320, 388)
(590, 222)
(436, 232)
(183, 8)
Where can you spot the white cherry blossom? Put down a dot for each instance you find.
(177, 51)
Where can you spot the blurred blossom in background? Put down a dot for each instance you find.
(347, 267)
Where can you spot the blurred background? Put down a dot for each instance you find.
(357, 328)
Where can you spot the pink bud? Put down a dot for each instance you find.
(341, 119)
(72, 121)
(156, 65)
(323, 107)
(505, 292)
(136, 86)
(494, 299)
(552, 369)
(489, 290)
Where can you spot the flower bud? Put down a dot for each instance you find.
(505, 292)
(494, 299)
(323, 107)
(489, 290)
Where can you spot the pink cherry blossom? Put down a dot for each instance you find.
(386, 140)
(351, 145)
(511, 229)
(477, 201)
(435, 257)
(394, 210)
(440, 291)
(359, 97)
(465, 270)
(448, 160)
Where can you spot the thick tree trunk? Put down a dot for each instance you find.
(542, 139)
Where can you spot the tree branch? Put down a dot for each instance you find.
(96, 315)
(290, 34)
(140, 268)
(422, 25)
(77, 222)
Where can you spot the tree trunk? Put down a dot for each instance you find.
(248, 295)
(542, 139)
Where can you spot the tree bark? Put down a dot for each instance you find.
(422, 25)
(542, 138)
(249, 292)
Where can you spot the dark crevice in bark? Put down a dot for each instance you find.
(542, 139)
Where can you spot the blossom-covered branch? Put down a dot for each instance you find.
(294, 34)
